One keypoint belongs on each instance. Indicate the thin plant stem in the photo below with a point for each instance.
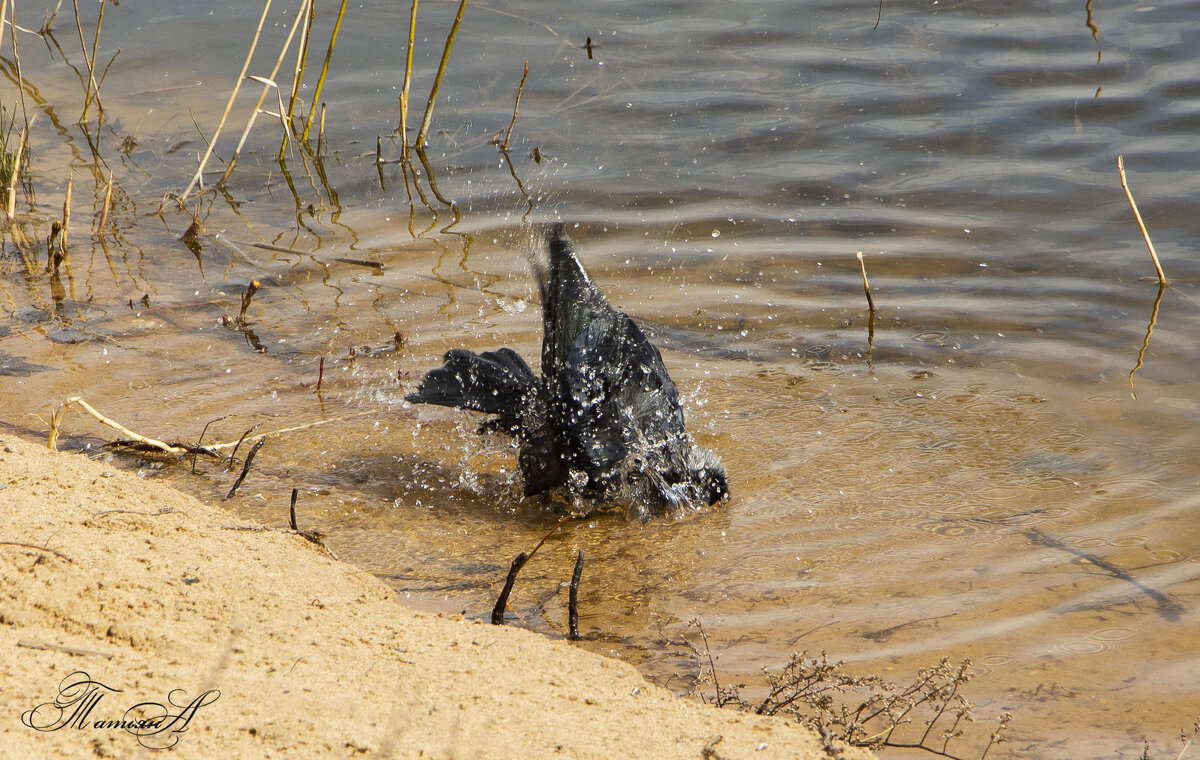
(324, 70)
(66, 214)
(92, 72)
(91, 87)
(107, 203)
(229, 105)
(48, 21)
(321, 132)
(302, 55)
(12, 28)
(437, 80)
(3, 20)
(267, 83)
(516, 105)
(866, 285)
(412, 33)
(11, 202)
(309, 7)
(1162, 278)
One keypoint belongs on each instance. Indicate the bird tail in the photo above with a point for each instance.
(571, 303)
(494, 382)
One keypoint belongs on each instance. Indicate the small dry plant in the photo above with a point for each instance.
(12, 143)
(863, 711)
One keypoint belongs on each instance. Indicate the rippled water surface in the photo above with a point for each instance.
(1000, 465)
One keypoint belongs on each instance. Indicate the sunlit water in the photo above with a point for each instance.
(1001, 466)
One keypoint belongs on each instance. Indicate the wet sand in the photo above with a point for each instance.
(261, 645)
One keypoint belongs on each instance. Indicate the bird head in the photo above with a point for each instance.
(691, 482)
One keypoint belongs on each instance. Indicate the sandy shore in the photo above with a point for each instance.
(257, 644)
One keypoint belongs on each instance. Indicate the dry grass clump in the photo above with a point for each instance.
(863, 711)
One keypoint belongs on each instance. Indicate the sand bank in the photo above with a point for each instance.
(260, 645)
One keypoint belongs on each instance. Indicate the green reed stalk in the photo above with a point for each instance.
(302, 55)
(412, 34)
(298, 74)
(437, 80)
(337, 25)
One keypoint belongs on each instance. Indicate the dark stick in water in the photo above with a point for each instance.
(245, 468)
(502, 601)
(573, 603)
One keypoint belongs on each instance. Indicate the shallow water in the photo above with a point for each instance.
(1001, 466)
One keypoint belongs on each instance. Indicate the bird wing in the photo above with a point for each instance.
(571, 304)
(617, 398)
(496, 382)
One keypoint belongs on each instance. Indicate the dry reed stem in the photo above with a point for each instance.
(3, 21)
(866, 285)
(66, 214)
(321, 132)
(267, 83)
(307, 9)
(12, 28)
(526, 19)
(284, 122)
(90, 61)
(337, 25)
(47, 20)
(1162, 278)
(76, 400)
(305, 426)
(11, 202)
(412, 33)
(92, 71)
(229, 105)
(301, 58)
(516, 105)
(104, 206)
(437, 80)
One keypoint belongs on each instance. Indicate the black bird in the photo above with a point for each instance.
(604, 418)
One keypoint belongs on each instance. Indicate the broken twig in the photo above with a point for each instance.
(866, 285)
(502, 601)
(245, 468)
(516, 105)
(1162, 278)
(58, 554)
(573, 599)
